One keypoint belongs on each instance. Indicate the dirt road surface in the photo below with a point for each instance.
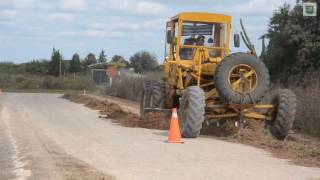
(43, 136)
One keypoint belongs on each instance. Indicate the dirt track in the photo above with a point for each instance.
(47, 137)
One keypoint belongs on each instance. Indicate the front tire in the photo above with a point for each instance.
(191, 112)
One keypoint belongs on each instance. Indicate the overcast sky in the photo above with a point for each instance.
(29, 29)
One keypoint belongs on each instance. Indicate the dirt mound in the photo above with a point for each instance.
(300, 149)
(226, 128)
(113, 111)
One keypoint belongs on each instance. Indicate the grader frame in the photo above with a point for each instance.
(201, 64)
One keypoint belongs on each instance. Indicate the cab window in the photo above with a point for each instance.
(207, 35)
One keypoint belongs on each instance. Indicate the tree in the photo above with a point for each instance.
(55, 68)
(143, 61)
(119, 61)
(75, 65)
(102, 57)
(90, 59)
(294, 43)
(39, 67)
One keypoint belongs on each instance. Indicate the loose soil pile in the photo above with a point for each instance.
(113, 111)
(299, 149)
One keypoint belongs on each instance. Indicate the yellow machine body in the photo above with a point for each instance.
(189, 63)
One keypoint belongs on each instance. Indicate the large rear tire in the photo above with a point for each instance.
(191, 112)
(156, 95)
(145, 98)
(228, 72)
(152, 96)
(284, 113)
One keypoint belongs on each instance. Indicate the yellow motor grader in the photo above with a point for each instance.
(209, 84)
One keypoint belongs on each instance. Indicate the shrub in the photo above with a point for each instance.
(29, 84)
(20, 79)
(308, 113)
(78, 84)
(51, 82)
(130, 87)
(5, 80)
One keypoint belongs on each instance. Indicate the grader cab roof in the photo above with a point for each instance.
(203, 17)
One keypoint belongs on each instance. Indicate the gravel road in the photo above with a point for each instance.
(43, 136)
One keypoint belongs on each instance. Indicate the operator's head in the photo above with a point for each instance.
(200, 40)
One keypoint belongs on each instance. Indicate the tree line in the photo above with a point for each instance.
(141, 62)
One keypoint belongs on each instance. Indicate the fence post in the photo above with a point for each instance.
(110, 82)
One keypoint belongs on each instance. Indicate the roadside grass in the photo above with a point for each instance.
(315, 152)
(308, 110)
(53, 91)
(35, 83)
(130, 87)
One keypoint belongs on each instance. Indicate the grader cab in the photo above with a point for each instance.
(209, 84)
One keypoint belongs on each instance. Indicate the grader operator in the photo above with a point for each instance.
(209, 84)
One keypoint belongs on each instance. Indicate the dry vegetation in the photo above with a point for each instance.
(130, 87)
(308, 110)
(119, 115)
(26, 82)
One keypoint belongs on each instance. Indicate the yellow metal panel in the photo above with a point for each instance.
(166, 70)
(256, 116)
(209, 68)
(215, 60)
(207, 84)
(203, 17)
(222, 115)
(263, 106)
(228, 38)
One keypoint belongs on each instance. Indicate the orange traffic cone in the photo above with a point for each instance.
(84, 92)
(174, 132)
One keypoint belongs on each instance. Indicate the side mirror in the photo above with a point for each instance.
(210, 40)
(169, 36)
(236, 40)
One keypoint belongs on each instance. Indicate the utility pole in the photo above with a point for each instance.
(60, 67)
